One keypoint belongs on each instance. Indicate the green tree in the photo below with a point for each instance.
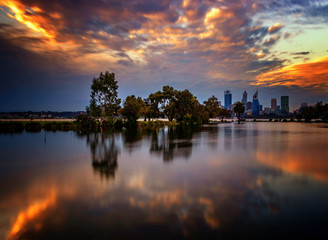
(131, 110)
(168, 93)
(224, 113)
(308, 113)
(184, 102)
(142, 108)
(170, 111)
(199, 113)
(239, 109)
(212, 107)
(188, 109)
(154, 101)
(104, 97)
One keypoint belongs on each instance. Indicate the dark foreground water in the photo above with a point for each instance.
(254, 180)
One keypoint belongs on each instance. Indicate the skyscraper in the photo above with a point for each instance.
(285, 104)
(227, 99)
(256, 104)
(249, 106)
(244, 100)
(273, 104)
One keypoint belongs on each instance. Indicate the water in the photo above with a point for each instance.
(254, 180)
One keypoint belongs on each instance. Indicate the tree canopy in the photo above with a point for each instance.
(132, 109)
(224, 113)
(104, 96)
(180, 105)
(311, 112)
(239, 109)
(212, 107)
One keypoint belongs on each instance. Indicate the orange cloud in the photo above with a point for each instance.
(312, 75)
(32, 20)
(275, 27)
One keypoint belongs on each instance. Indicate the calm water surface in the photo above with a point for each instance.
(254, 180)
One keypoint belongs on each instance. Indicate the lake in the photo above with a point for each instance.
(253, 180)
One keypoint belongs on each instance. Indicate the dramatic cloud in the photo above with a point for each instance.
(151, 42)
(312, 75)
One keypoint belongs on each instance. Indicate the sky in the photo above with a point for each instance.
(51, 50)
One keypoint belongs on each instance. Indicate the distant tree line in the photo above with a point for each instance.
(181, 106)
(319, 111)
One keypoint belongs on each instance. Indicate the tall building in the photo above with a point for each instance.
(227, 99)
(285, 104)
(273, 104)
(244, 100)
(256, 104)
(249, 106)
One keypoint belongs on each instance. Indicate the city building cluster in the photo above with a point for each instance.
(254, 108)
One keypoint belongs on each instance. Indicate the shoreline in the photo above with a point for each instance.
(166, 121)
(38, 120)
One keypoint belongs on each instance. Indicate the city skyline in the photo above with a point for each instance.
(51, 50)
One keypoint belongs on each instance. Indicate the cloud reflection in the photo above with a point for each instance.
(31, 213)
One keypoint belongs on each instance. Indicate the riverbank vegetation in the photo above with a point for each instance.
(36, 126)
(177, 106)
(83, 123)
(319, 111)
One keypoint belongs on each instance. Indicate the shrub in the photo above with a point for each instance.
(11, 127)
(33, 127)
(50, 126)
(118, 124)
(85, 122)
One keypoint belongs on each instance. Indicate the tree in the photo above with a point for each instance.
(168, 93)
(188, 109)
(104, 97)
(154, 101)
(199, 113)
(308, 113)
(142, 108)
(184, 103)
(224, 113)
(170, 111)
(131, 110)
(212, 106)
(239, 109)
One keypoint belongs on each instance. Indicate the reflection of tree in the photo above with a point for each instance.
(172, 142)
(104, 153)
(132, 138)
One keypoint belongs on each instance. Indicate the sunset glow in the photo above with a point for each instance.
(216, 45)
(306, 75)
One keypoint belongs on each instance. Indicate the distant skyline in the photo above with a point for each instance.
(51, 50)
